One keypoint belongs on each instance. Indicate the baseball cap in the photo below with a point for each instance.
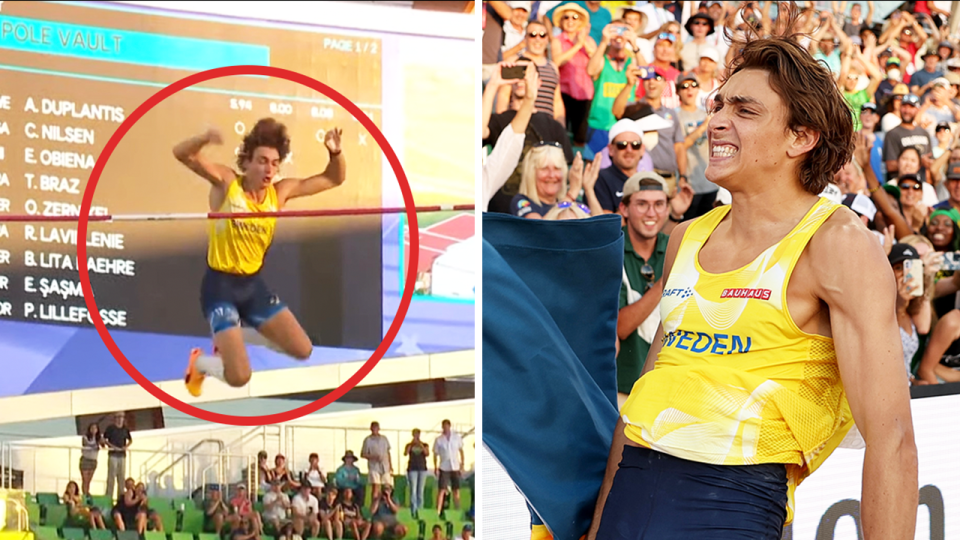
(911, 99)
(711, 53)
(520, 4)
(893, 61)
(909, 178)
(650, 72)
(953, 63)
(900, 90)
(946, 44)
(930, 52)
(952, 77)
(860, 204)
(902, 252)
(667, 36)
(625, 125)
(869, 106)
(942, 126)
(632, 185)
(953, 170)
(685, 78)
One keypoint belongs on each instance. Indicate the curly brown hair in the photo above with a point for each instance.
(269, 133)
(806, 87)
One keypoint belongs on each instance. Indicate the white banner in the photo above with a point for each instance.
(828, 502)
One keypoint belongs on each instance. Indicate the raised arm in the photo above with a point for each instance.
(331, 177)
(863, 144)
(870, 357)
(189, 153)
(620, 103)
(595, 65)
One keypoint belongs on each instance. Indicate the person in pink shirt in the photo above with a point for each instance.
(572, 50)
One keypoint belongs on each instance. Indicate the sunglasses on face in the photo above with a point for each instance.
(553, 144)
(686, 85)
(567, 204)
(573, 17)
(911, 185)
(700, 23)
(537, 34)
(622, 145)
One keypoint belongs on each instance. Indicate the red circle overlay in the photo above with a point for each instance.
(85, 276)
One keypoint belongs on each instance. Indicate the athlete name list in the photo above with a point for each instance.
(58, 144)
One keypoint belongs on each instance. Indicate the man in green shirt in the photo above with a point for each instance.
(645, 209)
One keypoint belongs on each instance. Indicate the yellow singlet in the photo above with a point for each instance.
(238, 246)
(736, 381)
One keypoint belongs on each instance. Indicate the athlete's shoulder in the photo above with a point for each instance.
(843, 242)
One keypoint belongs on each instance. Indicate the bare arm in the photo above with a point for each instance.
(877, 193)
(189, 153)
(620, 103)
(870, 357)
(631, 316)
(331, 177)
(595, 65)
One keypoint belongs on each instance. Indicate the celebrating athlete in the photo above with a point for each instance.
(772, 343)
(233, 292)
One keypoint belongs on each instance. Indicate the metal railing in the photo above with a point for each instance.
(184, 455)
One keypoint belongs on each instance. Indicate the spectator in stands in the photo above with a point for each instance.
(626, 148)
(352, 518)
(264, 471)
(664, 56)
(306, 511)
(944, 136)
(91, 443)
(645, 209)
(535, 52)
(693, 122)
(448, 464)
(243, 509)
(824, 43)
(126, 513)
(850, 76)
(287, 533)
(281, 473)
(911, 35)
(910, 162)
(904, 135)
(953, 189)
(330, 513)
(495, 13)
(540, 128)
(568, 210)
(246, 529)
(79, 513)
(855, 23)
(383, 514)
(543, 182)
(216, 512)
(152, 520)
(348, 476)
(891, 119)
(913, 312)
(608, 68)
(572, 50)
(699, 25)
(376, 450)
(417, 451)
(509, 145)
(514, 29)
(314, 477)
(466, 533)
(922, 80)
(275, 505)
(869, 120)
(117, 438)
(437, 533)
(707, 74)
(669, 156)
(911, 201)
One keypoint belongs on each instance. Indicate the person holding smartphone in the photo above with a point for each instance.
(914, 309)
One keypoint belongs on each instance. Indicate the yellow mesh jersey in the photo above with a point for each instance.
(736, 381)
(238, 246)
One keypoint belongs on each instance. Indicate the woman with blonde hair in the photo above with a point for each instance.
(543, 182)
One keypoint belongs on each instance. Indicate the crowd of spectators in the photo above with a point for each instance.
(594, 108)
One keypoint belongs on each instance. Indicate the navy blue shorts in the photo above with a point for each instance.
(658, 496)
(228, 299)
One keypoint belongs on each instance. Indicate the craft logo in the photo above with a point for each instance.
(760, 294)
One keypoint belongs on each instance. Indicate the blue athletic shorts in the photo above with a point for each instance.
(658, 496)
(229, 299)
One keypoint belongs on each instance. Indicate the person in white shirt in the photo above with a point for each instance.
(314, 476)
(514, 30)
(275, 505)
(306, 511)
(376, 450)
(448, 464)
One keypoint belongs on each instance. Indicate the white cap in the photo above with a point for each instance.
(711, 53)
(519, 4)
(625, 125)
(861, 204)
